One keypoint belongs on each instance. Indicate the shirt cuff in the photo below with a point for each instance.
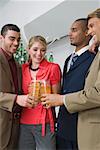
(64, 100)
(16, 98)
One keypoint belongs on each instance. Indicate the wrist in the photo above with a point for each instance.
(61, 101)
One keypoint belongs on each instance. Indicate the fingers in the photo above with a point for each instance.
(29, 105)
(32, 102)
(44, 97)
(92, 49)
(46, 105)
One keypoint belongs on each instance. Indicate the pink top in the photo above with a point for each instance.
(40, 115)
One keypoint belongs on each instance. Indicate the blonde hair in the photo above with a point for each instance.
(94, 14)
(37, 38)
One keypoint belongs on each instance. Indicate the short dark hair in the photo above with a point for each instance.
(7, 27)
(84, 23)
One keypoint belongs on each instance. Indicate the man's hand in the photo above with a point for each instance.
(24, 101)
(49, 100)
(34, 100)
(93, 44)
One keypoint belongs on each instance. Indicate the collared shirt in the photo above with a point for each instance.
(99, 48)
(13, 69)
(40, 115)
(80, 52)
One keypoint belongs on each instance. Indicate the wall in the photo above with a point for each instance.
(56, 23)
(21, 12)
(61, 50)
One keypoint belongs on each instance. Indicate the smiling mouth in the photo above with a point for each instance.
(38, 58)
(15, 48)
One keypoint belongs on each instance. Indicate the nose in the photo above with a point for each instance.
(89, 31)
(69, 33)
(39, 52)
(16, 42)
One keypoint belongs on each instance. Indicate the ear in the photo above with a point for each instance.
(0, 37)
(1, 40)
(86, 33)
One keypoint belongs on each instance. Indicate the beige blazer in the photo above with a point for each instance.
(7, 99)
(87, 103)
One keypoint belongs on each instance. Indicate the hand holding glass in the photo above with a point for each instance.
(37, 88)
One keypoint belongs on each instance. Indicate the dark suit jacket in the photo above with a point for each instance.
(7, 104)
(73, 81)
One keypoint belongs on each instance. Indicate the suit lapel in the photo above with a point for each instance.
(6, 67)
(94, 61)
(66, 64)
(19, 77)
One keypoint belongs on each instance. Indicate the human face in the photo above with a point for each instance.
(37, 52)
(10, 41)
(94, 27)
(77, 35)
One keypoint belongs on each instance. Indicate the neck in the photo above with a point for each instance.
(79, 47)
(34, 68)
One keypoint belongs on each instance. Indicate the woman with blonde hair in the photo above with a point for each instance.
(37, 123)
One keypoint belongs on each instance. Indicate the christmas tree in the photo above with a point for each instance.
(21, 54)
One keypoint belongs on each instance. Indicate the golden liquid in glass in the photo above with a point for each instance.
(37, 88)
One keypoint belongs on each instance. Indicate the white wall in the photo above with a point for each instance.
(21, 12)
(61, 50)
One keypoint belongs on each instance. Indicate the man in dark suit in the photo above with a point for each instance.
(74, 74)
(10, 87)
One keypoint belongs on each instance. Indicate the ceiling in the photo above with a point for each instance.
(3, 2)
(56, 22)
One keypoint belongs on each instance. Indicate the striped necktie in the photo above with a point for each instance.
(74, 58)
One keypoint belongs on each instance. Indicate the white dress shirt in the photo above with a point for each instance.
(99, 48)
(80, 52)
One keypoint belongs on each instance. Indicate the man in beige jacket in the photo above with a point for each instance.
(87, 101)
(10, 88)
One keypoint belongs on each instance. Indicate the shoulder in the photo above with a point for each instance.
(54, 65)
(2, 56)
(47, 64)
(25, 66)
(67, 59)
(19, 66)
(91, 55)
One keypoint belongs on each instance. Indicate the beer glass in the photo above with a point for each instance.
(37, 88)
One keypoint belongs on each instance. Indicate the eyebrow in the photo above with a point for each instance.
(13, 37)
